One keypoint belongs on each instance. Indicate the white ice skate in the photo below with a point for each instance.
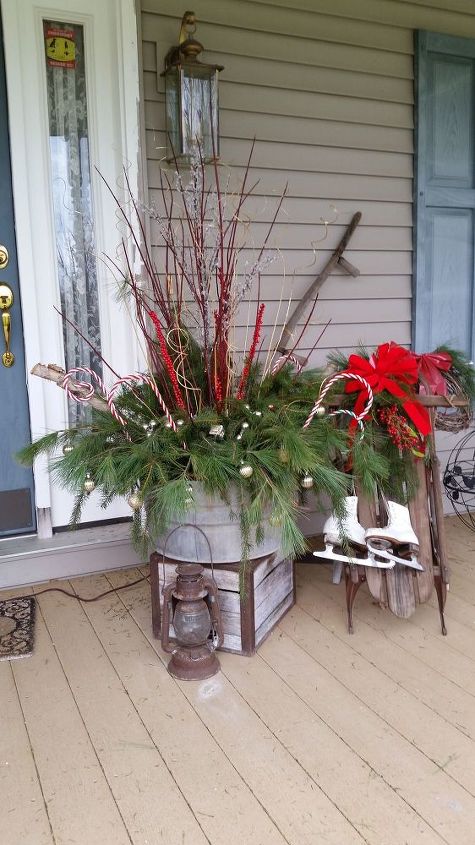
(348, 531)
(399, 534)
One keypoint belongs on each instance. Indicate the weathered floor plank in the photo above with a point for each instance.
(320, 738)
(300, 810)
(148, 798)
(220, 799)
(342, 655)
(412, 673)
(383, 817)
(26, 820)
(80, 805)
(412, 775)
(429, 647)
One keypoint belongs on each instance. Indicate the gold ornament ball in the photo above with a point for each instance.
(246, 471)
(307, 482)
(283, 456)
(180, 422)
(89, 484)
(168, 425)
(134, 501)
(245, 425)
(67, 449)
(321, 411)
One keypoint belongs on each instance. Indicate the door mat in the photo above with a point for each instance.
(17, 628)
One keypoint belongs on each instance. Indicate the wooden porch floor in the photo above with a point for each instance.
(319, 738)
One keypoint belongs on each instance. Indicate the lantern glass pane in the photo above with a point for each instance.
(173, 114)
(199, 100)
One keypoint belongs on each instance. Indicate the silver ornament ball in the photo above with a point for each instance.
(321, 411)
(89, 484)
(67, 449)
(134, 501)
(307, 482)
(245, 425)
(246, 471)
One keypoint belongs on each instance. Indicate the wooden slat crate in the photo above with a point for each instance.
(269, 591)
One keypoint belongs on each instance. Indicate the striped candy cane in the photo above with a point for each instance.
(68, 385)
(283, 360)
(328, 384)
(134, 378)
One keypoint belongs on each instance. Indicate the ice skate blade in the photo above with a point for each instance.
(330, 554)
(388, 554)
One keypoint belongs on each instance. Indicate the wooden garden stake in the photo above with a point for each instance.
(335, 259)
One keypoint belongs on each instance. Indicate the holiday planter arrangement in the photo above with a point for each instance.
(218, 433)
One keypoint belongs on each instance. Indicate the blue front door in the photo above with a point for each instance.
(17, 512)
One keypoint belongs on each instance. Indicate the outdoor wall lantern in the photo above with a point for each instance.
(191, 98)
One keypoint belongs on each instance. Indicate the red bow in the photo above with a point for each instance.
(388, 368)
(431, 366)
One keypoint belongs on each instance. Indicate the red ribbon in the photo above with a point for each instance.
(389, 367)
(431, 368)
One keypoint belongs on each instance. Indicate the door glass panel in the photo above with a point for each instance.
(72, 198)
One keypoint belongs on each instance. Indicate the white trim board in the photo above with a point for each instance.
(28, 560)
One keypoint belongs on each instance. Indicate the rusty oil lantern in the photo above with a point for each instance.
(190, 604)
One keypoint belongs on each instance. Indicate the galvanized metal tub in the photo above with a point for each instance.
(213, 516)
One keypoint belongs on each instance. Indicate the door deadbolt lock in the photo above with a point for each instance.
(3, 257)
(6, 302)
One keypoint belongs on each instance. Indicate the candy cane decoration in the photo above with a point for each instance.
(283, 360)
(325, 387)
(136, 379)
(86, 396)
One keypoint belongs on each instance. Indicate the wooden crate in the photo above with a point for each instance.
(268, 593)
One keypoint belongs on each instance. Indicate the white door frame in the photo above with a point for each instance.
(110, 29)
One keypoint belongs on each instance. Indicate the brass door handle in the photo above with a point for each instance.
(6, 302)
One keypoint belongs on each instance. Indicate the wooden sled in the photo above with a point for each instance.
(401, 589)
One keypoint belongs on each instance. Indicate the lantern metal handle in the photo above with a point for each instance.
(178, 528)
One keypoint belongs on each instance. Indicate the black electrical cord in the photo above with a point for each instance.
(82, 598)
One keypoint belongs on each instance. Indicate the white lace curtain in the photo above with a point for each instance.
(73, 208)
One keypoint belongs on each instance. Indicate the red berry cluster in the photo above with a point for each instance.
(400, 432)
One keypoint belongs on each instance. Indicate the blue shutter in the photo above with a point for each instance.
(444, 193)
